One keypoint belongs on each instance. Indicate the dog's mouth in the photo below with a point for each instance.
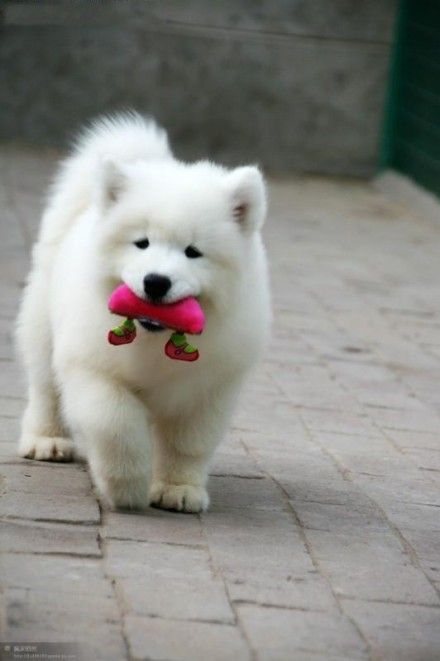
(151, 325)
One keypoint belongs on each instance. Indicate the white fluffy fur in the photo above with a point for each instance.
(147, 425)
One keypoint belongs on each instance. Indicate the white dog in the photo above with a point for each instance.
(123, 209)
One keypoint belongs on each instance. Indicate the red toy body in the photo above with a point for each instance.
(185, 316)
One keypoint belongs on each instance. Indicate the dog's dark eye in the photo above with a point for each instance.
(142, 243)
(192, 252)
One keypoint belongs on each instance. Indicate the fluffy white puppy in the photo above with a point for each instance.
(123, 209)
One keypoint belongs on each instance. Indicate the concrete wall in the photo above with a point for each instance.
(292, 84)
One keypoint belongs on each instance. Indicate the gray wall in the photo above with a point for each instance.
(292, 84)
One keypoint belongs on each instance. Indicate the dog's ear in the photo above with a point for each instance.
(248, 197)
(112, 181)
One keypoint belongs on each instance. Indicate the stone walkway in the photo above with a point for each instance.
(323, 539)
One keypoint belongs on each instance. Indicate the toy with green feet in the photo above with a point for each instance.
(185, 316)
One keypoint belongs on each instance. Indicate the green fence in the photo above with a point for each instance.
(411, 141)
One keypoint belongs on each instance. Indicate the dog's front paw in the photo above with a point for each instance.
(46, 448)
(179, 497)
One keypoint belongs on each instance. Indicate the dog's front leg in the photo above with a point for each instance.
(183, 449)
(112, 429)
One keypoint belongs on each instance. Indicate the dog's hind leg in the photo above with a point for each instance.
(42, 434)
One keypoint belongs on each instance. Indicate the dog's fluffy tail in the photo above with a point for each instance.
(124, 138)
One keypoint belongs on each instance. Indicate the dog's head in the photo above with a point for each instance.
(171, 230)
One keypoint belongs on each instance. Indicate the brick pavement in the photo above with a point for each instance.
(323, 539)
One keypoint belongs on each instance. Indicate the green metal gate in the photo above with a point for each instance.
(411, 141)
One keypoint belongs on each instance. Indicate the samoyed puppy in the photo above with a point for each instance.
(123, 210)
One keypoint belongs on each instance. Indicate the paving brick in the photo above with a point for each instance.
(9, 429)
(8, 454)
(312, 386)
(419, 516)
(166, 579)
(332, 489)
(27, 536)
(49, 479)
(62, 574)
(360, 454)
(280, 633)
(233, 492)
(264, 560)
(184, 597)
(426, 459)
(422, 420)
(371, 565)
(426, 546)
(153, 526)
(7, 449)
(306, 591)
(403, 355)
(295, 439)
(341, 518)
(25, 607)
(154, 638)
(11, 407)
(226, 464)
(273, 418)
(398, 632)
(133, 559)
(408, 486)
(245, 541)
(345, 421)
(11, 380)
(44, 616)
(42, 507)
(356, 446)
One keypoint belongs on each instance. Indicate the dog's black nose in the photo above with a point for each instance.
(156, 286)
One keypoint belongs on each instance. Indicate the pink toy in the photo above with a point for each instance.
(185, 316)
